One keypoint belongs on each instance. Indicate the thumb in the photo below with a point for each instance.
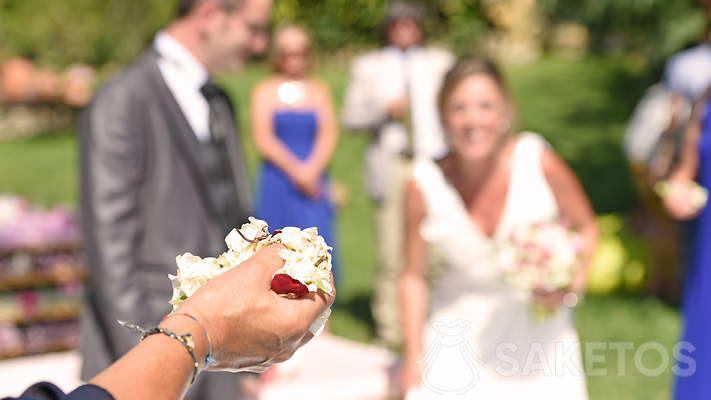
(267, 262)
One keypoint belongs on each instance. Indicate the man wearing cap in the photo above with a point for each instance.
(392, 95)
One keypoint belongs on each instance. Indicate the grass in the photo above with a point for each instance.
(606, 322)
(580, 106)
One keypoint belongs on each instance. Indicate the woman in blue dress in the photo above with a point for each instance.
(295, 131)
(692, 377)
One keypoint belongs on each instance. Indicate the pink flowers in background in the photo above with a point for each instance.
(541, 256)
(41, 275)
(23, 226)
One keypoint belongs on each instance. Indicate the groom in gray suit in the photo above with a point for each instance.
(162, 173)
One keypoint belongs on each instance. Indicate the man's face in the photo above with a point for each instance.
(235, 36)
(404, 33)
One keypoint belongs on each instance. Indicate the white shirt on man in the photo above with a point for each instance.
(185, 75)
(689, 72)
(382, 76)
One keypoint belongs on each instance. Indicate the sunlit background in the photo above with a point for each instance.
(577, 69)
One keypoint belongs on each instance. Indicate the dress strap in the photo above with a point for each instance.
(531, 197)
(445, 214)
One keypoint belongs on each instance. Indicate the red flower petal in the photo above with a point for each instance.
(283, 284)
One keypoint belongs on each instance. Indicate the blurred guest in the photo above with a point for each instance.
(467, 204)
(295, 130)
(689, 72)
(653, 142)
(162, 173)
(392, 94)
(695, 169)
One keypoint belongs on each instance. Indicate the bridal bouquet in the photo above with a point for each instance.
(307, 263)
(693, 192)
(542, 256)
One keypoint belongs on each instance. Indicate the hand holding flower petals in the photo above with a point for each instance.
(307, 262)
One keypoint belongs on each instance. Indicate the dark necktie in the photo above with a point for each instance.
(220, 119)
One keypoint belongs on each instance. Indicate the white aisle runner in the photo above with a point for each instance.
(332, 368)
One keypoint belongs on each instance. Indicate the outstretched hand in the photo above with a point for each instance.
(250, 326)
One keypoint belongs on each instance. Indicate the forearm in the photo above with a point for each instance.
(274, 151)
(161, 364)
(687, 169)
(363, 118)
(361, 110)
(413, 305)
(589, 235)
(688, 165)
(323, 151)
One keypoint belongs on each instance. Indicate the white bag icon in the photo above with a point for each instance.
(449, 366)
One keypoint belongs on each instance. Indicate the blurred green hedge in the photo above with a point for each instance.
(60, 32)
(655, 28)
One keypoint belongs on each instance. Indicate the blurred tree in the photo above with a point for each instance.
(655, 28)
(92, 31)
(354, 23)
(106, 31)
(114, 31)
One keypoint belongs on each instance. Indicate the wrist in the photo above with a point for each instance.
(579, 284)
(309, 167)
(295, 172)
(182, 326)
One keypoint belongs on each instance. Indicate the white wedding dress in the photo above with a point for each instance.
(481, 339)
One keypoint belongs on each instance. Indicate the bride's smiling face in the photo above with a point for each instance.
(476, 116)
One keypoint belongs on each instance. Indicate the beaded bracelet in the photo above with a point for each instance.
(186, 340)
(209, 357)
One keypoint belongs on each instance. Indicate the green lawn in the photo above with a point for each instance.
(580, 106)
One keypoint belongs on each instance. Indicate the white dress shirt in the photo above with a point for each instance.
(689, 72)
(184, 76)
(387, 74)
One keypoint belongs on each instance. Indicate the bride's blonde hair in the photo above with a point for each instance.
(463, 69)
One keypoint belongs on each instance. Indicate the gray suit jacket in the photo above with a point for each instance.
(143, 201)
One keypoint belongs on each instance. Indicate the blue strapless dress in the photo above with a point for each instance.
(697, 291)
(279, 202)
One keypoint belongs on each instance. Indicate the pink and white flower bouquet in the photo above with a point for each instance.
(543, 256)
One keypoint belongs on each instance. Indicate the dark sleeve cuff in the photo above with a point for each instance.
(48, 391)
(90, 392)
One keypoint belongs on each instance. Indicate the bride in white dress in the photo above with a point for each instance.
(472, 336)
